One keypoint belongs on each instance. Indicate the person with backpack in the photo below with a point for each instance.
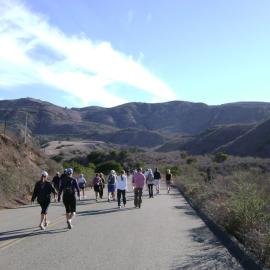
(122, 187)
(138, 181)
(112, 185)
(97, 184)
(157, 177)
(69, 187)
(150, 182)
(42, 191)
(82, 185)
(168, 180)
(56, 183)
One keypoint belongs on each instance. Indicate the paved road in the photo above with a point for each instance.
(164, 234)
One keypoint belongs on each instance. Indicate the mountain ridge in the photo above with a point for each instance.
(142, 124)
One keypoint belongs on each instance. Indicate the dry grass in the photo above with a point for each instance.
(236, 197)
(20, 168)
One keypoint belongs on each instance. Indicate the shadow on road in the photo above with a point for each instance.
(27, 232)
(210, 253)
(103, 211)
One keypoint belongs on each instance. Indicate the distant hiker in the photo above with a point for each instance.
(82, 185)
(150, 182)
(101, 175)
(69, 187)
(42, 191)
(122, 187)
(168, 180)
(56, 183)
(97, 184)
(138, 181)
(112, 185)
(157, 178)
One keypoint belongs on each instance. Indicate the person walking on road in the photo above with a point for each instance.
(122, 187)
(150, 182)
(42, 191)
(82, 185)
(157, 178)
(112, 185)
(101, 190)
(56, 183)
(97, 184)
(138, 181)
(69, 187)
(168, 180)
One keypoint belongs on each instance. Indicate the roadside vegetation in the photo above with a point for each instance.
(234, 193)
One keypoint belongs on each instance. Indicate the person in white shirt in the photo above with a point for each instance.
(122, 187)
(82, 184)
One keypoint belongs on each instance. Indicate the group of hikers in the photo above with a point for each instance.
(66, 186)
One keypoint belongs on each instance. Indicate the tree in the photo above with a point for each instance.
(107, 166)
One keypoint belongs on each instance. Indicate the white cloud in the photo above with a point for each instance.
(33, 51)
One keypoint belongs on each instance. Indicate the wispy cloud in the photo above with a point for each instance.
(33, 51)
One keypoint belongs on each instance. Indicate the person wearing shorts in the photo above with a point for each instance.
(112, 185)
(168, 180)
(82, 185)
(97, 184)
(69, 187)
(42, 191)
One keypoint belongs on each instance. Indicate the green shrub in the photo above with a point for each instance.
(220, 157)
(109, 165)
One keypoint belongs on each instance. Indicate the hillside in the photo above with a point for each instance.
(208, 141)
(255, 142)
(20, 167)
(194, 127)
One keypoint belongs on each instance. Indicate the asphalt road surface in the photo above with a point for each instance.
(164, 234)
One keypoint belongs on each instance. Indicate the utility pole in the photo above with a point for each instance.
(25, 128)
(5, 126)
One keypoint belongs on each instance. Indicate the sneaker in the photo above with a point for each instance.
(69, 224)
(41, 226)
(46, 223)
(119, 206)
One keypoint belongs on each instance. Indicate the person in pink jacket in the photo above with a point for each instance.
(138, 182)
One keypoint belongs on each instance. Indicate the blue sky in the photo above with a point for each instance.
(88, 52)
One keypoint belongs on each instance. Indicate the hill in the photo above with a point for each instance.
(177, 125)
(255, 142)
(20, 167)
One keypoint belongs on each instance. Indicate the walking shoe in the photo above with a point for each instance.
(46, 223)
(69, 224)
(41, 226)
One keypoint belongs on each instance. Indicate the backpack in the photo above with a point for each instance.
(111, 180)
(150, 178)
(68, 189)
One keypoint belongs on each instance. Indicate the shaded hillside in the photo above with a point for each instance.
(20, 167)
(208, 141)
(137, 124)
(177, 116)
(256, 142)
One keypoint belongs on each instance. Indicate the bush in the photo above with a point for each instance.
(220, 157)
(107, 166)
